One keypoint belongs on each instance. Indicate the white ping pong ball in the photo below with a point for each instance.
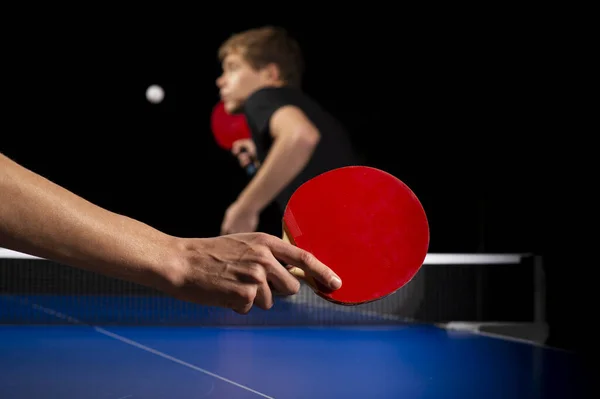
(155, 94)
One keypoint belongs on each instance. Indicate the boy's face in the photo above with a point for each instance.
(239, 80)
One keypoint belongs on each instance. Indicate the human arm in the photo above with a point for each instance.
(40, 217)
(44, 219)
(295, 138)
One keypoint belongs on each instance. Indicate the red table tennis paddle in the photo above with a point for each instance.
(228, 128)
(365, 224)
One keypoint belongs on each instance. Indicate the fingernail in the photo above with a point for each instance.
(335, 283)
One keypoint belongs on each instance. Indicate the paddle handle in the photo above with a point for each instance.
(251, 168)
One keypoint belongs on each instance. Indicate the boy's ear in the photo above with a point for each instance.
(272, 72)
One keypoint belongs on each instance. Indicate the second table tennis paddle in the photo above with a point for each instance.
(365, 224)
(228, 128)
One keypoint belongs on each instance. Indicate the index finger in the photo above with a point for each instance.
(241, 145)
(305, 265)
(236, 146)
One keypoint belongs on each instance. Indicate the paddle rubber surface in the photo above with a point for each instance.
(366, 225)
(228, 128)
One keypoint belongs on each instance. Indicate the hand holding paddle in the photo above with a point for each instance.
(229, 128)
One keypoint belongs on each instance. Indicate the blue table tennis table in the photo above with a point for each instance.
(103, 346)
(385, 361)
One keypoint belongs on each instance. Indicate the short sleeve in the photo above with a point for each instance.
(261, 106)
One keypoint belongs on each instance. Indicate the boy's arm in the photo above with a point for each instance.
(295, 138)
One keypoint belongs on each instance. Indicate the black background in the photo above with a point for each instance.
(457, 110)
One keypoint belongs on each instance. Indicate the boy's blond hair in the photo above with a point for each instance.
(268, 45)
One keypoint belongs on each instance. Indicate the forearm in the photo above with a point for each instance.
(287, 158)
(46, 220)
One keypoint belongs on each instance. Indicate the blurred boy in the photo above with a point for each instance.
(293, 138)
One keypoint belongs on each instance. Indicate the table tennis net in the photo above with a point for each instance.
(448, 287)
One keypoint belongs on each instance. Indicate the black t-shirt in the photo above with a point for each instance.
(334, 150)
